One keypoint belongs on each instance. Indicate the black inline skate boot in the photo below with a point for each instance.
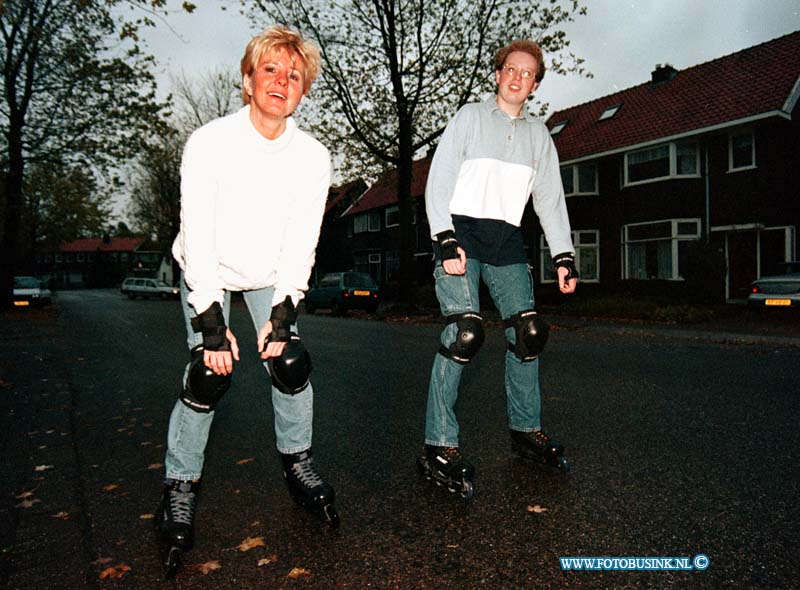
(175, 522)
(538, 446)
(307, 488)
(446, 467)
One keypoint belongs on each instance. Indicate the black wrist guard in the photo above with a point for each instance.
(282, 318)
(566, 260)
(212, 324)
(448, 245)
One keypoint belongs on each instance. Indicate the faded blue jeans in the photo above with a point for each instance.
(511, 289)
(188, 429)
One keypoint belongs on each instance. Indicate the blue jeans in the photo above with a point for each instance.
(188, 429)
(511, 289)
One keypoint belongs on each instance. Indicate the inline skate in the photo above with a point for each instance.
(447, 468)
(538, 446)
(307, 488)
(175, 522)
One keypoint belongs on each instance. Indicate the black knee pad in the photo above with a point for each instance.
(531, 332)
(291, 371)
(468, 340)
(203, 388)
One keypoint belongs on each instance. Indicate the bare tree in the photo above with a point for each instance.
(155, 180)
(395, 71)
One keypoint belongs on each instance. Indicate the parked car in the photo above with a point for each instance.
(341, 291)
(29, 291)
(777, 290)
(135, 287)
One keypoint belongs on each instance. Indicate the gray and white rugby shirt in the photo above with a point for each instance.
(483, 172)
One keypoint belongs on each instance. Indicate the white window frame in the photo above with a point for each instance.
(674, 238)
(673, 164)
(546, 258)
(391, 209)
(576, 180)
(558, 127)
(610, 111)
(752, 163)
(369, 221)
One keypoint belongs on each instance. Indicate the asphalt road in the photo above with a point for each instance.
(680, 445)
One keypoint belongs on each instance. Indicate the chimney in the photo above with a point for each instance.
(106, 238)
(663, 73)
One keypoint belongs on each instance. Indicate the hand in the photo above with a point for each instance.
(268, 349)
(221, 361)
(566, 286)
(456, 266)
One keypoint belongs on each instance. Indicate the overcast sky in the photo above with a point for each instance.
(621, 40)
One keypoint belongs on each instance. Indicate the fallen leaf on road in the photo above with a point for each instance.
(243, 461)
(267, 560)
(250, 543)
(208, 566)
(115, 572)
(110, 487)
(102, 561)
(43, 467)
(61, 515)
(28, 503)
(26, 494)
(147, 516)
(452, 546)
(145, 443)
(537, 509)
(155, 466)
(297, 572)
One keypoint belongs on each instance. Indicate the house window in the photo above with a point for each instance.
(671, 160)
(369, 221)
(80, 257)
(123, 256)
(741, 151)
(368, 262)
(90, 257)
(579, 179)
(392, 216)
(587, 257)
(657, 250)
(609, 112)
(558, 127)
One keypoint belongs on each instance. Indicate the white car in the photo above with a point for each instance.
(29, 291)
(135, 287)
(777, 290)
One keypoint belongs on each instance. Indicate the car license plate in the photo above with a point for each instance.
(777, 302)
(21, 303)
(361, 293)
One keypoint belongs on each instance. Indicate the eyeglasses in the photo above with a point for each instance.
(512, 71)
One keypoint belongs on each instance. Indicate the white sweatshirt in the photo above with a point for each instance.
(251, 209)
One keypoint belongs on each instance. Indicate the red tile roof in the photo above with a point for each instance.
(384, 191)
(758, 80)
(98, 245)
(338, 193)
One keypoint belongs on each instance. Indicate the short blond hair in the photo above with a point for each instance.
(278, 38)
(525, 45)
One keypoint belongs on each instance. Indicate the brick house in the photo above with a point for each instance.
(712, 150)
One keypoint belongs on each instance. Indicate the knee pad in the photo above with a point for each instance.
(290, 372)
(531, 334)
(203, 388)
(468, 340)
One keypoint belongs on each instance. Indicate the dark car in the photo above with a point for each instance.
(777, 290)
(30, 291)
(341, 291)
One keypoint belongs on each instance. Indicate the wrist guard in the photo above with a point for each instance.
(212, 325)
(282, 318)
(448, 245)
(566, 260)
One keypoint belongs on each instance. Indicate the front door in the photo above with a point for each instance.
(742, 263)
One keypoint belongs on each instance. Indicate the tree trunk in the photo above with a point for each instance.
(12, 218)
(404, 197)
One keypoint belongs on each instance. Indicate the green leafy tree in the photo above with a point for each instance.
(395, 71)
(76, 90)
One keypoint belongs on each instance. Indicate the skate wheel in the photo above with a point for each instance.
(468, 490)
(172, 563)
(422, 468)
(331, 516)
(563, 464)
